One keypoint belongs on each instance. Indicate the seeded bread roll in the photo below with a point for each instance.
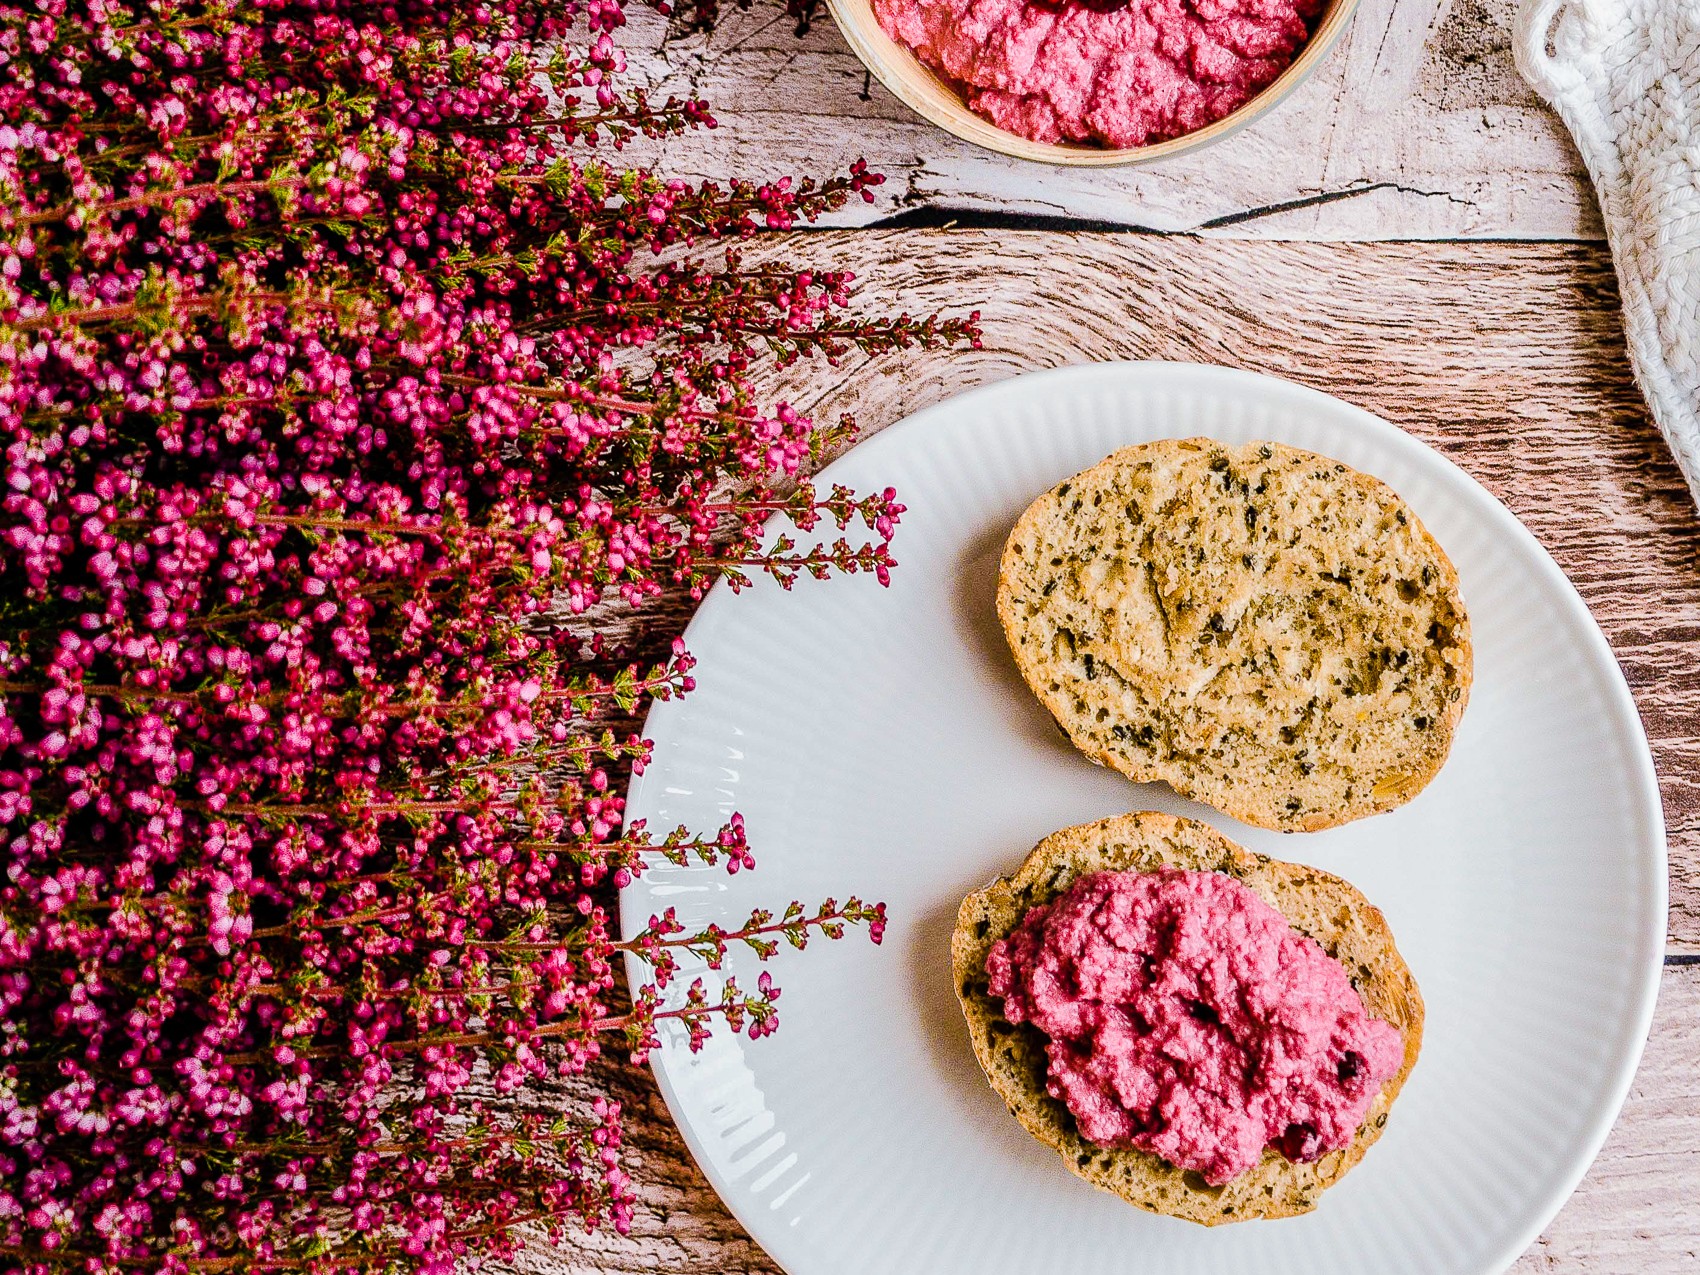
(1013, 1056)
(1266, 630)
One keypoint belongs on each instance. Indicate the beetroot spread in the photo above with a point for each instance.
(1188, 1019)
(1124, 74)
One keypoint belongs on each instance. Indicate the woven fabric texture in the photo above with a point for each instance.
(1625, 77)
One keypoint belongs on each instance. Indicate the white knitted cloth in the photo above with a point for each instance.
(1625, 77)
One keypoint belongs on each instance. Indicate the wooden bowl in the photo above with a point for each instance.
(935, 99)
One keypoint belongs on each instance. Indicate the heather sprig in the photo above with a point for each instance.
(339, 372)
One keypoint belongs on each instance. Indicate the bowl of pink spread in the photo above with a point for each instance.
(1091, 82)
(1184, 1016)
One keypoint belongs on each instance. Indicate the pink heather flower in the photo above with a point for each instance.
(312, 421)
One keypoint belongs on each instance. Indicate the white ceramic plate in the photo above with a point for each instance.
(881, 742)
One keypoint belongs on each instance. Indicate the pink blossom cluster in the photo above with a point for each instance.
(337, 375)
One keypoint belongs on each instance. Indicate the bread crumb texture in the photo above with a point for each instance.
(1322, 906)
(1267, 630)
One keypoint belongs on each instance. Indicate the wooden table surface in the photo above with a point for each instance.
(1410, 232)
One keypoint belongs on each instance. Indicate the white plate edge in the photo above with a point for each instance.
(1607, 1112)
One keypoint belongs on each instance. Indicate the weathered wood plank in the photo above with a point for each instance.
(1638, 1209)
(1416, 127)
(1507, 357)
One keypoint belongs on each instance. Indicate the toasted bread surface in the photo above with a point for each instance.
(1266, 630)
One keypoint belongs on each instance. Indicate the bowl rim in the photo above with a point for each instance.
(898, 69)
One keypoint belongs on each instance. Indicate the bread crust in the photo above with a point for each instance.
(1266, 630)
(1326, 908)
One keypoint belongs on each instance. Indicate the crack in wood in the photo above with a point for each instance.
(944, 217)
(1324, 197)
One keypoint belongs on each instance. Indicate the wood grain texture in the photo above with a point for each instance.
(1416, 127)
(1636, 1213)
(1508, 358)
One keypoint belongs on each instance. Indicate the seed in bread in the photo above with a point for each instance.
(1014, 1058)
(1268, 631)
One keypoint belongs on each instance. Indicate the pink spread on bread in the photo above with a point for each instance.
(1187, 1018)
